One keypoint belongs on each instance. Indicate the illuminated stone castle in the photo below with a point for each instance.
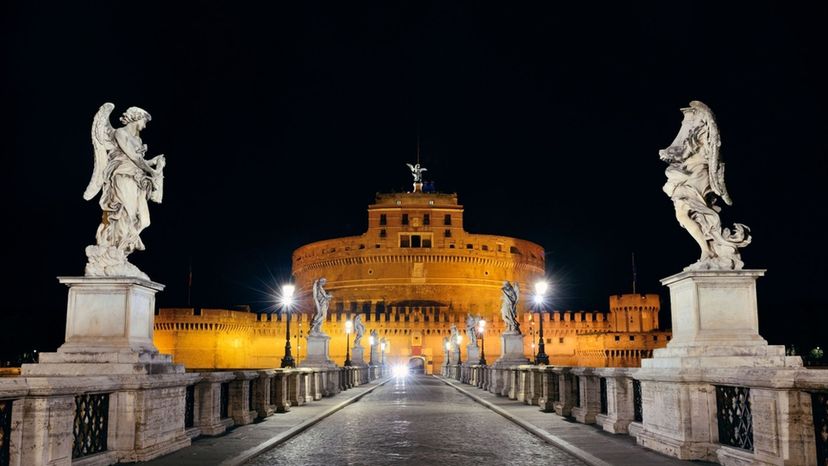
(413, 274)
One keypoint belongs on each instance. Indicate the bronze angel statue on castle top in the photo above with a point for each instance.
(695, 180)
(126, 181)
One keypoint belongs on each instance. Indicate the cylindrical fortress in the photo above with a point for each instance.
(416, 260)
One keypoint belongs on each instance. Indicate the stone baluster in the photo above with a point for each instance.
(566, 391)
(590, 398)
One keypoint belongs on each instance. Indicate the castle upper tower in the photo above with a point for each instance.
(416, 255)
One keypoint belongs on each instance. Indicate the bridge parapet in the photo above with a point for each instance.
(753, 415)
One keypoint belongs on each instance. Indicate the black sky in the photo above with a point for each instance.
(280, 123)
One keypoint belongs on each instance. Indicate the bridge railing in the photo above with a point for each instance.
(755, 415)
(95, 419)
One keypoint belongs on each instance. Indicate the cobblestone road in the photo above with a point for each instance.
(416, 420)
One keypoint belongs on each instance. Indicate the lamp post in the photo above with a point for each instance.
(287, 300)
(540, 290)
(481, 326)
(459, 339)
(348, 325)
(382, 352)
(371, 343)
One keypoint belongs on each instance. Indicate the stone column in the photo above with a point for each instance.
(567, 391)
(550, 393)
(279, 390)
(620, 403)
(47, 433)
(590, 401)
(208, 397)
(240, 402)
(294, 391)
(261, 394)
(522, 375)
(534, 390)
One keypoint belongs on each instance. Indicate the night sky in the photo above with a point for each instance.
(280, 125)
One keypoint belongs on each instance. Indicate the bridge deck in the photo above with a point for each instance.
(418, 420)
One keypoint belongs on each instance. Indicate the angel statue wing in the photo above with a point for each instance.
(715, 165)
(103, 142)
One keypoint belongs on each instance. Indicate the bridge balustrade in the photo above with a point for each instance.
(793, 419)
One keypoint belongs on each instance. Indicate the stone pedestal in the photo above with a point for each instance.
(472, 355)
(511, 350)
(357, 357)
(715, 339)
(375, 355)
(318, 352)
(109, 329)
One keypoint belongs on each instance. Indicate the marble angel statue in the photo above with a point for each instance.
(471, 329)
(126, 181)
(359, 330)
(374, 337)
(695, 181)
(417, 172)
(453, 332)
(508, 309)
(321, 300)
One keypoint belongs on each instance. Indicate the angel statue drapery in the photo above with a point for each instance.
(126, 181)
(321, 300)
(695, 180)
(508, 308)
(359, 330)
(471, 329)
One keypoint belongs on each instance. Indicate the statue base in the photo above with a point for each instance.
(716, 324)
(716, 341)
(472, 355)
(318, 352)
(511, 350)
(358, 357)
(375, 354)
(109, 329)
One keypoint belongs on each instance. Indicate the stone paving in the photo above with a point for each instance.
(417, 420)
(244, 442)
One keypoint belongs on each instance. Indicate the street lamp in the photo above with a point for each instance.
(382, 352)
(459, 339)
(371, 342)
(287, 300)
(348, 325)
(540, 290)
(481, 325)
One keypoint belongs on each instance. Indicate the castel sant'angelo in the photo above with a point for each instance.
(413, 274)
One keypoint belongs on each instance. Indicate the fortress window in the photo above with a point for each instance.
(618, 338)
(484, 247)
(383, 219)
(447, 233)
(426, 219)
(560, 340)
(469, 246)
(382, 233)
(499, 247)
(514, 250)
(632, 338)
(655, 337)
(447, 219)
(405, 219)
(415, 241)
